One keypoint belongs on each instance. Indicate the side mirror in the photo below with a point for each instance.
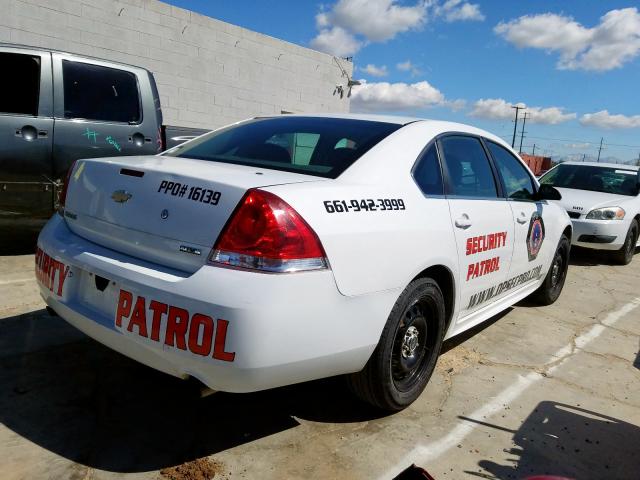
(547, 192)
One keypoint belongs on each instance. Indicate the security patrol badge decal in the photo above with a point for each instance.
(535, 237)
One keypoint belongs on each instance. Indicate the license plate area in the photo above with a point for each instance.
(98, 293)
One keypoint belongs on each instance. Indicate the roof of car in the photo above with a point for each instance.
(621, 166)
(18, 46)
(397, 119)
(440, 126)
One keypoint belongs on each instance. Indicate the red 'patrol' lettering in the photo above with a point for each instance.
(198, 333)
(484, 267)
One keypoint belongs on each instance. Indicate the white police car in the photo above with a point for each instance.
(603, 202)
(280, 250)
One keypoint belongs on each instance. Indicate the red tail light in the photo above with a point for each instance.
(265, 233)
(62, 197)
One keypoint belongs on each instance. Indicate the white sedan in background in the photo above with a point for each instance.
(285, 249)
(603, 202)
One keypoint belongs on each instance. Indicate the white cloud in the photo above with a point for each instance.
(357, 22)
(499, 109)
(404, 66)
(408, 67)
(603, 119)
(608, 45)
(390, 97)
(456, 105)
(458, 10)
(375, 71)
(377, 20)
(336, 41)
(549, 115)
(578, 146)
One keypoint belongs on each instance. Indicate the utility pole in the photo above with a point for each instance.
(524, 122)
(600, 149)
(534, 150)
(515, 125)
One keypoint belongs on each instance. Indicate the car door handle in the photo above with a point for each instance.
(463, 221)
(522, 218)
(27, 132)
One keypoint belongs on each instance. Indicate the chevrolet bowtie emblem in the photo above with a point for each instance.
(121, 196)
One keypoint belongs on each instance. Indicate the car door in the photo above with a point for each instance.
(531, 248)
(26, 127)
(481, 218)
(101, 110)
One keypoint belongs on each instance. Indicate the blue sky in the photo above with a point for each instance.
(577, 61)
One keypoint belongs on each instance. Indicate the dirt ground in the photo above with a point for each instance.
(534, 390)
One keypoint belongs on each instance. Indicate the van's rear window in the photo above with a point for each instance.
(319, 146)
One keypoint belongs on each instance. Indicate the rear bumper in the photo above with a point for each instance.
(236, 331)
(599, 234)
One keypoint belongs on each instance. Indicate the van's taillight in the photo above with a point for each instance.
(62, 197)
(265, 233)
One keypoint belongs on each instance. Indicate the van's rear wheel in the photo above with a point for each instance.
(402, 363)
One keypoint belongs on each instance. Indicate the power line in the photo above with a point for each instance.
(580, 141)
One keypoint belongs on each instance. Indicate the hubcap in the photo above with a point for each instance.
(411, 348)
(410, 342)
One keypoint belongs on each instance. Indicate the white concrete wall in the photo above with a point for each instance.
(209, 72)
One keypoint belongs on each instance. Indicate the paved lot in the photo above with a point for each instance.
(537, 390)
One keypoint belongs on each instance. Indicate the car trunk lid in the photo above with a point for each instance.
(164, 210)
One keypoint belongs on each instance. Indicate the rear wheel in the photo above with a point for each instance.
(402, 363)
(628, 250)
(552, 285)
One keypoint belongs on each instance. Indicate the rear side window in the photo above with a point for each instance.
(516, 179)
(324, 147)
(470, 174)
(427, 173)
(100, 93)
(20, 84)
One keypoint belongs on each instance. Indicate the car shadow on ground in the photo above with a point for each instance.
(586, 257)
(95, 407)
(567, 441)
(89, 404)
(636, 363)
(18, 241)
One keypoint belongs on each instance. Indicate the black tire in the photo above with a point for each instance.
(551, 288)
(402, 363)
(628, 250)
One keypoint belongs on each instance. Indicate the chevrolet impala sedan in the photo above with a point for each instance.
(285, 249)
(603, 202)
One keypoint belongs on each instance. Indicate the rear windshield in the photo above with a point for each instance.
(618, 181)
(324, 147)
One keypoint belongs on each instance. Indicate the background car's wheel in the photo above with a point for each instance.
(552, 285)
(406, 355)
(628, 250)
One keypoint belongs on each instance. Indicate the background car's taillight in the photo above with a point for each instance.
(62, 197)
(265, 233)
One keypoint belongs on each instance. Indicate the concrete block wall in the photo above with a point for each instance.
(209, 72)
